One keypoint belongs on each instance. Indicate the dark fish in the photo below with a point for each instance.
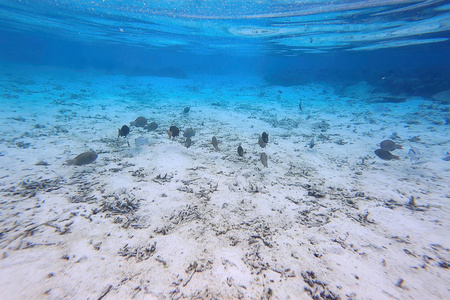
(265, 137)
(83, 159)
(139, 122)
(389, 145)
(189, 133)
(261, 142)
(215, 143)
(240, 151)
(124, 131)
(186, 109)
(311, 143)
(151, 127)
(263, 159)
(386, 155)
(175, 131)
(300, 106)
(187, 142)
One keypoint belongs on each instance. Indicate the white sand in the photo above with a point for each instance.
(163, 221)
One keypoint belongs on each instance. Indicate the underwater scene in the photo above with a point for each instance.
(224, 149)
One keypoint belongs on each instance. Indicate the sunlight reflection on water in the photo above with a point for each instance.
(284, 27)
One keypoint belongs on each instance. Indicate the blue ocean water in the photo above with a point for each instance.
(329, 179)
(310, 40)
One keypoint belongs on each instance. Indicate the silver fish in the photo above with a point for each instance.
(414, 155)
(141, 141)
(311, 143)
(263, 159)
(215, 143)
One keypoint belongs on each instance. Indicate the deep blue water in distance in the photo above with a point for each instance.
(286, 42)
(318, 209)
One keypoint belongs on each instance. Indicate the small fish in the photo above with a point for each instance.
(215, 143)
(385, 155)
(151, 127)
(139, 122)
(42, 163)
(389, 145)
(240, 151)
(186, 109)
(189, 132)
(169, 133)
(141, 141)
(124, 131)
(83, 159)
(265, 137)
(300, 106)
(311, 143)
(263, 159)
(414, 155)
(175, 131)
(187, 142)
(447, 157)
(261, 142)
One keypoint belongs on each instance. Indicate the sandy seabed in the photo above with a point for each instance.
(162, 221)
